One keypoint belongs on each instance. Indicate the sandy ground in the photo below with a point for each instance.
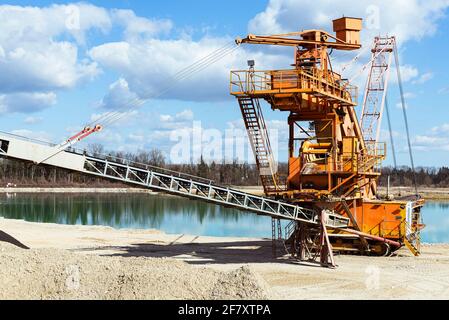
(126, 263)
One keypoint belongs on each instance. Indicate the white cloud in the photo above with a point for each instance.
(43, 66)
(417, 19)
(424, 78)
(136, 137)
(140, 27)
(39, 52)
(443, 90)
(444, 128)
(173, 122)
(38, 135)
(406, 19)
(148, 66)
(408, 73)
(436, 139)
(120, 97)
(32, 120)
(24, 102)
(28, 24)
(409, 95)
(399, 105)
(115, 118)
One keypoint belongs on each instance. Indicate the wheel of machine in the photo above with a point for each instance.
(386, 249)
(381, 249)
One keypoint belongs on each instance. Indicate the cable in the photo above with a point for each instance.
(168, 79)
(343, 68)
(366, 65)
(181, 75)
(197, 69)
(391, 134)
(404, 112)
(174, 83)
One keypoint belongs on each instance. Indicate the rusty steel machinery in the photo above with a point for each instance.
(334, 160)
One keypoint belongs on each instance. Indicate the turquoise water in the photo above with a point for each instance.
(139, 211)
(436, 219)
(168, 213)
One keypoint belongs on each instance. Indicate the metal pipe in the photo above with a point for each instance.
(372, 237)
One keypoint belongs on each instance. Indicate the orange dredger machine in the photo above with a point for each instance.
(333, 164)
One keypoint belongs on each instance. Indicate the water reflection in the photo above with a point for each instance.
(437, 222)
(143, 211)
(170, 214)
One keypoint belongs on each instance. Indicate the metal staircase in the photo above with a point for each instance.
(260, 144)
(412, 240)
(24, 149)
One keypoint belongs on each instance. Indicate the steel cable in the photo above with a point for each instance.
(180, 75)
(199, 68)
(404, 112)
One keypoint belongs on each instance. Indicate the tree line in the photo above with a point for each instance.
(236, 173)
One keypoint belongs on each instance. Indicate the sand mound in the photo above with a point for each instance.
(241, 284)
(61, 274)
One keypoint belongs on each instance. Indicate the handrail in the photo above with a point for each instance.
(269, 80)
(108, 157)
(42, 142)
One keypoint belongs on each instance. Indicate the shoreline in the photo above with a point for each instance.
(427, 193)
(75, 190)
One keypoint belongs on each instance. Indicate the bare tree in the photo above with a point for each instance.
(157, 158)
(95, 149)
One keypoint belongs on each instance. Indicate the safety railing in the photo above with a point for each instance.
(347, 162)
(376, 148)
(107, 157)
(41, 142)
(384, 229)
(199, 190)
(253, 82)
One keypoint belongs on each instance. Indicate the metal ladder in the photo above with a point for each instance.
(260, 143)
(412, 240)
(376, 87)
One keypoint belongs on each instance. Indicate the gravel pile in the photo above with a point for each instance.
(61, 274)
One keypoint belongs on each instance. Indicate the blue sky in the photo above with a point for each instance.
(54, 77)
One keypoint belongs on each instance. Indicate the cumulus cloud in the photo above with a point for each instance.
(39, 52)
(149, 66)
(38, 135)
(424, 78)
(435, 140)
(119, 96)
(24, 102)
(135, 26)
(32, 120)
(186, 115)
(31, 24)
(443, 90)
(417, 18)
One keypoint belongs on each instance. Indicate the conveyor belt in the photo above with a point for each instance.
(24, 149)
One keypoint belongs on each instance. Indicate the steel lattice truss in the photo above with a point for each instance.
(16, 147)
(376, 87)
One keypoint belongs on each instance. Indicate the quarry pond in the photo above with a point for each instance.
(170, 214)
